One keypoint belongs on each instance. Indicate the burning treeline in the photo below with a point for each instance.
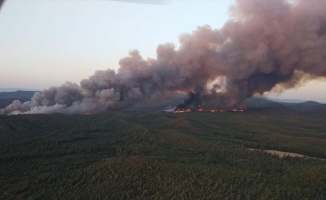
(182, 110)
(265, 44)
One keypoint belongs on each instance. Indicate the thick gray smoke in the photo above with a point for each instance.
(265, 44)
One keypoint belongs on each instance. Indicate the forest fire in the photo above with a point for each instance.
(87, 113)
(240, 109)
(252, 53)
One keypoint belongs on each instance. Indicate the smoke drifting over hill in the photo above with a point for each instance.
(264, 44)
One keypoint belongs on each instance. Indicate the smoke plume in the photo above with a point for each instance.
(264, 44)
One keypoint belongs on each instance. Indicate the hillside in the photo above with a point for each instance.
(7, 98)
(129, 155)
(307, 106)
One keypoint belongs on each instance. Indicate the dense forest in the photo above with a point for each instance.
(160, 155)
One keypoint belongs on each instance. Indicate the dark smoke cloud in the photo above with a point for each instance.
(265, 44)
(1, 2)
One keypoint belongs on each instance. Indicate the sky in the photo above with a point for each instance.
(44, 43)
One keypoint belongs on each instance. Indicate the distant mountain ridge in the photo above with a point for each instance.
(305, 106)
(7, 98)
(14, 89)
(19, 94)
(287, 100)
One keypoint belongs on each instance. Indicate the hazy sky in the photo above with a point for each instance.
(48, 42)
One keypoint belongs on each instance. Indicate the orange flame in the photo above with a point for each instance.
(182, 111)
(240, 109)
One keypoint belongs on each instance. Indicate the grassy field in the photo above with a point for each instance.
(126, 155)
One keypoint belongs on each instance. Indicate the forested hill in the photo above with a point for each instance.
(306, 106)
(160, 155)
(7, 98)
